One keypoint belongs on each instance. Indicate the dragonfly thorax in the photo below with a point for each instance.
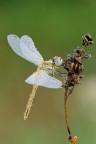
(48, 67)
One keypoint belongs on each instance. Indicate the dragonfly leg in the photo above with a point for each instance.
(60, 73)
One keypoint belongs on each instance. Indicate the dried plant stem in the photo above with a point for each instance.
(67, 93)
(66, 113)
(30, 101)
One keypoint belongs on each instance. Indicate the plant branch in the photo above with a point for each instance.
(66, 95)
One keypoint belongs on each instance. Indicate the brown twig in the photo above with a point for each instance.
(66, 95)
(74, 66)
(66, 113)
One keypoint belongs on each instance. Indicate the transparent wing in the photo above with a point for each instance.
(29, 50)
(30, 44)
(26, 53)
(14, 43)
(41, 78)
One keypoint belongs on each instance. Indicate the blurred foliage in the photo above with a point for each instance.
(56, 28)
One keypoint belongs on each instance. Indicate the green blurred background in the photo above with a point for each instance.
(56, 28)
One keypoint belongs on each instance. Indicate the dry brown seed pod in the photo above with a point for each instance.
(87, 39)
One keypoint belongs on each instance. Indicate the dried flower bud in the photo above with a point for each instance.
(88, 56)
(87, 39)
(74, 63)
(79, 51)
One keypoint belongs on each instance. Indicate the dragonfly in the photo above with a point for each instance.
(44, 75)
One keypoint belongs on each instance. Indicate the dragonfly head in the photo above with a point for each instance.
(58, 61)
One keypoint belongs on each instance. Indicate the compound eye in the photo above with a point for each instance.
(57, 60)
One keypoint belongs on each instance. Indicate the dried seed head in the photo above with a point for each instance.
(72, 80)
(79, 51)
(88, 56)
(87, 39)
(74, 63)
